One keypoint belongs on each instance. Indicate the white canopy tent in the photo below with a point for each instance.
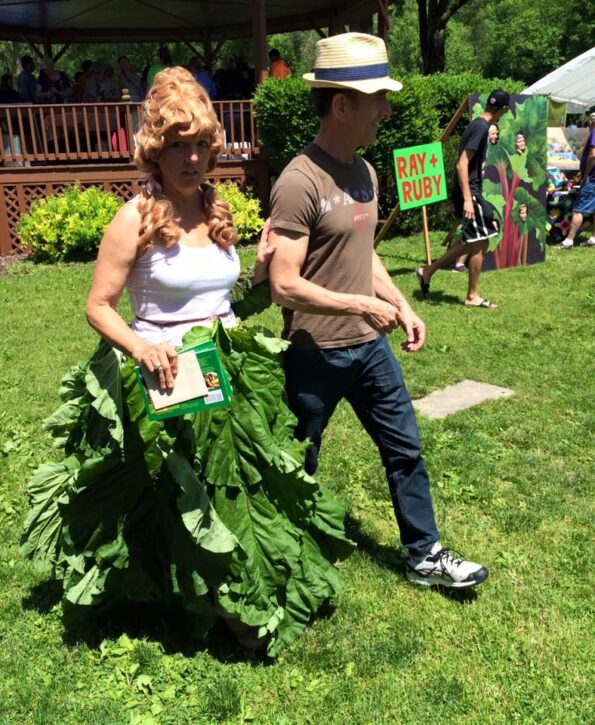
(572, 83)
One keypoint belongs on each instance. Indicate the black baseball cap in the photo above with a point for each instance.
(498, 98)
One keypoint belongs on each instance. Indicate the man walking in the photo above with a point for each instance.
(585, 204)
(339, 301)
(478, 223)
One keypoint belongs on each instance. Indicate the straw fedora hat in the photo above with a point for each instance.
(352, 60)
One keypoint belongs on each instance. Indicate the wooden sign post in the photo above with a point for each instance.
(420, 181)
(452, 124)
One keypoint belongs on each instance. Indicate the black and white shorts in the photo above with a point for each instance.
(483, 226)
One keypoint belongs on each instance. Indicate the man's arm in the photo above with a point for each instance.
(385, 289)
(463, 174)
(589, 165)
(291, 290)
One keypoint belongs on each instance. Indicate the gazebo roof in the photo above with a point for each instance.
(155, 20)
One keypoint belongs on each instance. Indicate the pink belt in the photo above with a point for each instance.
(173, 323)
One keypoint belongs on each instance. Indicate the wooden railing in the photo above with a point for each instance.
(48, 134)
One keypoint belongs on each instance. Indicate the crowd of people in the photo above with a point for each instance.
(96, 81)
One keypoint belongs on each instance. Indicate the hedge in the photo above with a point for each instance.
(69, 226)
(420, 112)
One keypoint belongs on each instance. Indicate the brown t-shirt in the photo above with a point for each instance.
(335, 204)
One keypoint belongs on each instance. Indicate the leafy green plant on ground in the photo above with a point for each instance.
(68, 226)
(245, 209)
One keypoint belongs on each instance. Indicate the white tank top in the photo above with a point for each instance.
(183, 284)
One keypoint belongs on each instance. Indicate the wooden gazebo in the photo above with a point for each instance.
(45, 147)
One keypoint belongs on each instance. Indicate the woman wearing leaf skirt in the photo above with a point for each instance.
(212, 513)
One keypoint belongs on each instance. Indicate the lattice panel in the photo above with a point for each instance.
(19, 196)
(13, 214)
(126, 189)
(32, 193)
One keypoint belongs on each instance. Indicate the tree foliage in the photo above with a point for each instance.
(433, 19)
(502, 38)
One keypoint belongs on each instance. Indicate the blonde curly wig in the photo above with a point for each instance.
(176, 105)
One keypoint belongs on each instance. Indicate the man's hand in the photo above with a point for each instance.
(413, 327)
(380, 315)
(468, 211)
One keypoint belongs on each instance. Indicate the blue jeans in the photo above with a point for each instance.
(370, 378)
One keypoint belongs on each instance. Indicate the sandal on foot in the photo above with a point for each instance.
(424, 286)
(484, 303)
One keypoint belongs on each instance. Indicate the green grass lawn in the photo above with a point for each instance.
(512, 485)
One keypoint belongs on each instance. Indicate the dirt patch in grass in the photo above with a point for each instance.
(9, 259)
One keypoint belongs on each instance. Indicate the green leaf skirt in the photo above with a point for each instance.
(211, 514)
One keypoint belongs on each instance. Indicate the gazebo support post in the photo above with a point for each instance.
(47, 47)
(193, 48)
(63, 50)
(336, 25)
(383, 19)
(207, 53)
(34, 47)
(259, 27)
(364, 26)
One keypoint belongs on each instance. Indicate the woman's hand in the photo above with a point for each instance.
(264, 254)
(160, 359)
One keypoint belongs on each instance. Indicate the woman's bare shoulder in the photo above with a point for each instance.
(127, 219)
(123, 231)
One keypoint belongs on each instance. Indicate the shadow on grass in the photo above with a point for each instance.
(174, 631)
(390, 558)
(401, 271)
(386, 557)
(43, 597)
(436, 297)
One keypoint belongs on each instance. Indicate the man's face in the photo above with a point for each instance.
(501, 112)
(365, 111)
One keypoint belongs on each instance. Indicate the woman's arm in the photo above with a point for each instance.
(117, 254)
(264, 253)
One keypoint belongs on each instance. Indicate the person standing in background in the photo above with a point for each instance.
(26, 82)
(585, 203)
(279, 66)
(478, 223)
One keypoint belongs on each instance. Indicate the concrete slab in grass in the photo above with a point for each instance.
(457, 397)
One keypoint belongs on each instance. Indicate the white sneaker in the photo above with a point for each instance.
(591, 242)
(567, 243)
(441, 567)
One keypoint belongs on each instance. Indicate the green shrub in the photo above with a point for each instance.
(244, 208)
(68, 226)
(420, 112)
(286, 121)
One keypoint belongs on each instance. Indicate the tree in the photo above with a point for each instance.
(524, 40)
(403, 39)
(433, 19)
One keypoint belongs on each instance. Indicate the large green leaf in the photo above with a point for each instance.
(314, 582)
(199, 517)
(48, 490)
(249, 300)
(104, 384)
